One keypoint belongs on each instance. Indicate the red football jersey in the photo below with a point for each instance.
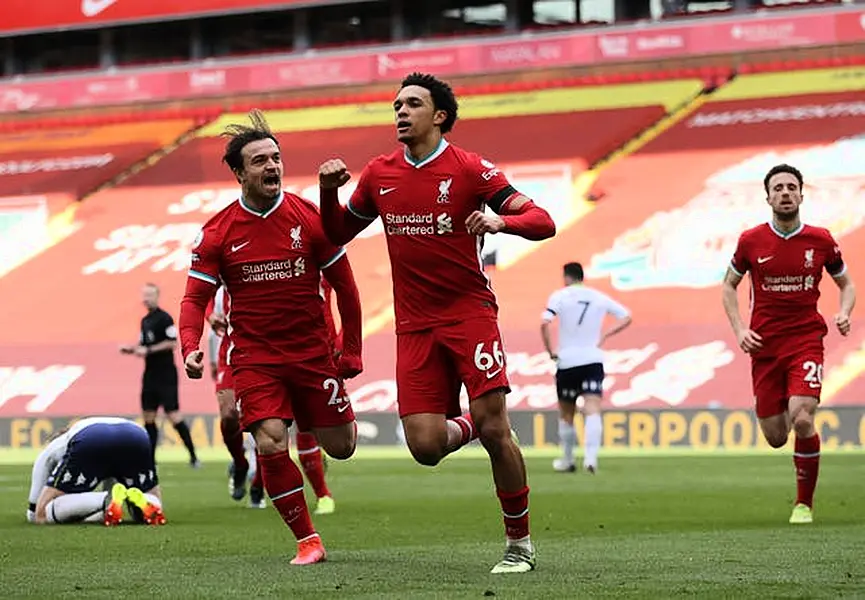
(786, 270)
(270, 264)
(438, 274)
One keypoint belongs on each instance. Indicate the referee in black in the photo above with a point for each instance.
(156, 346)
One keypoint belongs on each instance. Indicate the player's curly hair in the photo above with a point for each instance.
(240, 135)
(442, 96)
(783, 168)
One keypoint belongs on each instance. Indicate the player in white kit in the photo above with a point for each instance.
(580, 361)
(93, 450)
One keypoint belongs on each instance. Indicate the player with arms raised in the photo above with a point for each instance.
(269, 251)
(786, 259)
(431, 196)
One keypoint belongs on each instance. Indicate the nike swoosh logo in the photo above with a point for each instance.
(763, 259)
(238, 246)
(383, 191)
(343, 408)
(91, 8)
(493, 374)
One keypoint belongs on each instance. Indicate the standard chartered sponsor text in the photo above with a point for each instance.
(273, 270)
(410, 224)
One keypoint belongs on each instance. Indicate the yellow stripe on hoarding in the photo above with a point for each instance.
(664, 93)
(796, 83)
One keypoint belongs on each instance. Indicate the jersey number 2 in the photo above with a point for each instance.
(333, 385)
(813, 373)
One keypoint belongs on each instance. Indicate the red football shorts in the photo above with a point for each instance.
(224, 378)
(796, 371)
(432, 365)
(309, 393)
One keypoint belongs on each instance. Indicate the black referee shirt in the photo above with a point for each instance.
(158, 326)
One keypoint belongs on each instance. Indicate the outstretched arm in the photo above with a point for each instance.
(341, 278)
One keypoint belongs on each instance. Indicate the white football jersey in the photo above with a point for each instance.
(581, 311)
(54, 452)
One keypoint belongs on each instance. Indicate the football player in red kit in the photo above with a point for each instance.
(269, 251)
(431, 196)
(309, 454)
(786, 259)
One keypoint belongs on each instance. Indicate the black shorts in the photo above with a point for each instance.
(101, 451)
(576, 381)
(158, 390)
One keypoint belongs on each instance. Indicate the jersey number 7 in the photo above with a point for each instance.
(585, 304)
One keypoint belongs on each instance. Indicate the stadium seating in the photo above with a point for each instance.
(662, 235)
(658, 235)
(142, 229)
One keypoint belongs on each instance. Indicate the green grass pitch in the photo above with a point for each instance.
(647, 526)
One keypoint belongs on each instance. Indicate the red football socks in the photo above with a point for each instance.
(257, 481)
(515, 509)
(284, 484)
(806, 458)
(313, 466)
(232, 436)
(467, 426)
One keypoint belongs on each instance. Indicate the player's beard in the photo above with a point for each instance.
(786, 216)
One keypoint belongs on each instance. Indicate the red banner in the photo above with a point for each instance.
(24, 15)
(712, 36)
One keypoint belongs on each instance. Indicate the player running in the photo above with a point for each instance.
(580, 360)
(431, 196)
(229, 420)
(786, 259)
(270, 252)
(309, 454)
(93, 450)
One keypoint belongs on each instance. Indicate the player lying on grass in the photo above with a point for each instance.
(786, 259)
(91, 451)
(269, 251)
(432, 197)
(309, 454)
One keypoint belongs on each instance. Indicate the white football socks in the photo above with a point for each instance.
(594, 431)
(568, 439)
(88, 507)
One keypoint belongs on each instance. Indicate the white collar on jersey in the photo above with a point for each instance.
(787, 235)
(417, 164)
(266, 213)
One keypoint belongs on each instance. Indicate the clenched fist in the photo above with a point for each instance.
(333, 174)
(194, 364)
(479, 223)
